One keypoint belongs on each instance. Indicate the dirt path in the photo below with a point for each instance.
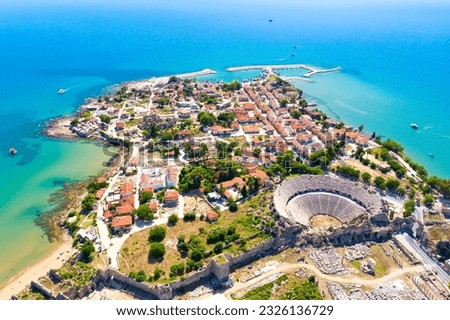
(286, 267)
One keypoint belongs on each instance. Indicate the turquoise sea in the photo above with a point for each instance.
(394, 57)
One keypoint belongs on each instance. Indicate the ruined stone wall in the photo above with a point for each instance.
(155, 292)
(37, 287)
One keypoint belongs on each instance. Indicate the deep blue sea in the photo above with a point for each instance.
(395, 59)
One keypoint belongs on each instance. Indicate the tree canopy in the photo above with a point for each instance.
(157, 250)
(144, 212)
(157, 234)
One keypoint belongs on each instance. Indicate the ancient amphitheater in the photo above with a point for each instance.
(300, 199)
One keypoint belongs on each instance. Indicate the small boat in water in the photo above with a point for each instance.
(292, 54)
(270, 20)
(431, 155)
(414, 126)
(61, 91)
(12, 151)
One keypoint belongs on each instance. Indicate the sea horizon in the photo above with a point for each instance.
(394, 73)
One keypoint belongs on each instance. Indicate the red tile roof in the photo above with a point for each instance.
(100, 193)
(251, 129)
(261, 175)
(153, 206)
(127, 200)
(212, 216)
(230, 183)
(107, 215)
(123, 221)
(171, 195)
(124, 209)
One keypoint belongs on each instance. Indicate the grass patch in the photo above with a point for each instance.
(79, 273)
(286, 287)
(302, 290)
(88, 221)
(132, 122)
(382, 262)
(261, 293)
(247, 223)
(356, 264)
(30, 295)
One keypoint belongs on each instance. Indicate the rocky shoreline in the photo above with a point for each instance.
(60, 128)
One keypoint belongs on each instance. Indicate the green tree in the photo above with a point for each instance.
(157, 273)
(409, 207)
(157, 234)
(105, 118)
(232, 86)
(366, 177)
(380, 182)
(401, 191)
(145, 196)
(257, 152)
(276, 169)
(218, 248)
(87, 250)
(86, 114)
(348, 171)
(428, 199)
(177, 269)
(392, 184)
(141, 276)
(162, 102)
(244, 191)
(226, 118)
(189, 217)
(173, 219)
(233, 206)
(157, 250)
(75, 122)
(88, 202)
(197, 252)
(182, 246)
(296, 114)
(173, 79)
(144, 212)
(393, 146)
(205, 118)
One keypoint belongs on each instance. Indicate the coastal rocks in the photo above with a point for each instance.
(60, 128)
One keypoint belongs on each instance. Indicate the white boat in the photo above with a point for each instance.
(414, 126)
(61, 91)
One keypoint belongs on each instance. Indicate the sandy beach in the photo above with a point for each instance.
(143, 84)
(53, 260)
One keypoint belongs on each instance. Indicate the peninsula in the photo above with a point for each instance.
(244, 190)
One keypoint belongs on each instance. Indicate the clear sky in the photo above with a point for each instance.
(131, 2)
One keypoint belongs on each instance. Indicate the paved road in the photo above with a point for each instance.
(423, 257)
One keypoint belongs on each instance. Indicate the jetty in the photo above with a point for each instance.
(311, 70)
